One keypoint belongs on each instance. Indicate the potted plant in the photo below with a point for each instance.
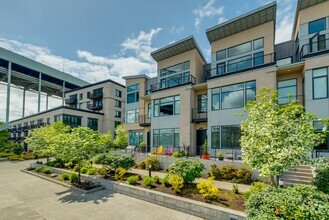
(205, 154)
(220, 155)
(141, 146)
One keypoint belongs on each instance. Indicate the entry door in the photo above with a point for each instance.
(148, 142)
(201, 136)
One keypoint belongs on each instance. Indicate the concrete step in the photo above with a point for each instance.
(297, 177)
(301, 170)
(305, 166)
(298, 173)
(290, 181)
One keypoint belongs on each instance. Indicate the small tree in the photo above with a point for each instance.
(3, 136)
(121, 139)
(80, 144)
(277, 137)
(107, 141)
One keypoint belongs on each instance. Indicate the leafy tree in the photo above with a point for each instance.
(277, 137)
(44, 140)
(3, 136)
(80, 144)
(107, 140)
(121, 139)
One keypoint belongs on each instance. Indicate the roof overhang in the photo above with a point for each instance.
(241, 23)
(136, 76)
(176, 48)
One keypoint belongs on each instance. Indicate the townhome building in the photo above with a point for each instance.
(190, 101)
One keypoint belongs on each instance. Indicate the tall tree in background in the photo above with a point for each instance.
(121, 137)
(3, 136)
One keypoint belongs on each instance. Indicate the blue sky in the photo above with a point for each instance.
(101, 39)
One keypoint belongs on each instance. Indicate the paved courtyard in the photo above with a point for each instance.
(23, 196)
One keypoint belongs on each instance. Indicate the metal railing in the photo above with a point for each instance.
(199, 115)
(243, 65)
(95, 107)
(71, 100)
(26, 127)
(169, 83)
(314, 49)
(144, 120)
(95, 95)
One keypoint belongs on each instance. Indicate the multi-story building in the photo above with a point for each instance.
(99, 106)
(190, 101)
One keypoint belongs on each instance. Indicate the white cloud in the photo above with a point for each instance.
(208, 10)
(134, 58)
(285, 20)
(177, 30)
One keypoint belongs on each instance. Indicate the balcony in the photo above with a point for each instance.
(241, 66)
(144, 121)
(14, 129)
(26, 127)
(95, 95)
(71, 100)
(41, 124)
(199, 115)
(169, 83)
(314, 49)
(33, 126)
(95, 107)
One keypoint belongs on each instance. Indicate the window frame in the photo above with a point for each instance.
(317, 77)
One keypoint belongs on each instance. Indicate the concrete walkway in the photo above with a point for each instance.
(220, 184)
(25, 197)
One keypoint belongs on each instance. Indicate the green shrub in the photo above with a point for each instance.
(321, 181)
(114, 160)
(69, 165)
(157, 179)
(58, 165)
(17, 148)
(177, 154)
(244, 175)
(84, 170)
(176, 181)
(235, 188)
(165, 181)
(132, 180)
(55, 163)
(153, 161)
(256, 187)
(74, 178)
(228, 172)
(27, 156)
(6, 154)
(102, 171)
(76, 168)
(207, 188)
(294, 202)
(215, 172)
(39, 169)
(119, 173)
(187, 168)
(65, 176)
(148, 181)
(47, 170)
(15, 157)
(142, 165)
(92, 171)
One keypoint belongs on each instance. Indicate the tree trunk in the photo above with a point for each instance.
(79, 173)
(47, 159)
(272, 181)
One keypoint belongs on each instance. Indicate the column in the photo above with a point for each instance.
(47, 102)
(63, 94)
(8, 92)
(23, 102)
(39, 92)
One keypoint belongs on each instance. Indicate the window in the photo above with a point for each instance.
(93, 123)
(287, 88)
(230, 137)
(80, 105)
(56, 119)
(215, 137)
(243, 48)
(317, 26)
(149, 110)
(175, 80)
(163, 83)
(117, 123)
(319, 126)
(166, 137)
(320, 83)
(80, 96)
(259, 43)
(220, 55)
(117, 114)
(317, 43)
(220, 68)
(175, 69)
(239, 63)
(258, 58)
(133, 93)
(118, 93)
(202, 103)
(215, 98)
(250, 91)
(71, 120)
(232, 96)
(284, 61)
(132, 116)
(117, 103)
(135, 137)
(181, 75)
(167, 106)
(48, 121)
(98, 103)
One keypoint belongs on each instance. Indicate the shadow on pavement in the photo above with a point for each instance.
(69, 196)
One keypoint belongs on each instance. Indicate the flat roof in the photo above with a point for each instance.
(302, 4)
(136, 76)
(243, 22)
(95, 84)
(175, 48)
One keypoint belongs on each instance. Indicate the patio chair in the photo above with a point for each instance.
(170, 150)
(160, 149)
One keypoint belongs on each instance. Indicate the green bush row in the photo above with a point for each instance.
(114, 160)
(232, 173)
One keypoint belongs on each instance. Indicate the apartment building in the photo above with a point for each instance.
(190, 100)
(99, 106)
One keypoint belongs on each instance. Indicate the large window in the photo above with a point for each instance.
(202, 103)
(220, 55)
(239, 63)
(166, 137)
(287, 88)
(233, 96)
(259, 43)
(118, 93)
(117, 103)
(71, 120)
(167, 106)
(135, 137)
(225, 137)
(317, 26)
(149, 110)
(215, 137)
(117, 114)
(93, 123)
(175, 69)
(242, 48)
(132, 116)
(133, 93)
(320, 83)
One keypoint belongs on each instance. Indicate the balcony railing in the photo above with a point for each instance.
(41, 124)
(95, 107)
(199, 115)
(95, 95)
(26, 127)
(19, 129)
(33, 126)
(243, 65)
(169, 83)
(314, 49)
(144, 120)
(71, 100)
(14, 129)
